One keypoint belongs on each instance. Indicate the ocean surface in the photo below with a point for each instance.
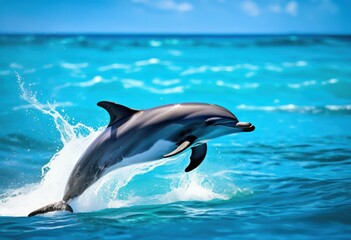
(289, 179)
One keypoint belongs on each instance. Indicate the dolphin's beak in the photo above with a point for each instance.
(238, 126)
(245, 126)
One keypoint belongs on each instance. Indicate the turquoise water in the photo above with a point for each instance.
(289, 179)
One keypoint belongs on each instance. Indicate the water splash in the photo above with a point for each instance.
(55, 173)
(105, 193)
(67, 131)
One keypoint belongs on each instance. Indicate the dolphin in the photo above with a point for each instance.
(135, 136)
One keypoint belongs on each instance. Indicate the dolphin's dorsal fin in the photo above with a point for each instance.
(116, 111)
(197, 156)
(182, 146)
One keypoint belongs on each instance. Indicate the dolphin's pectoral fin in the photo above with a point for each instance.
(197, 156)
(179, 149)
(182, 146)
(116, 111)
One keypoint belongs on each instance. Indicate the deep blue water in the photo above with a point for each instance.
(289, 179)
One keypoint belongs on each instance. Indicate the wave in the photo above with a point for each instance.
(312, 82)
(165, 82)
(95, 80)
(53, 105)
(136, 66)
(243, 66)
(133, 83)
(343, 109)
(17, 141)
(290, 41)
(147, 62)
(206, 68)
(177, 86)
(113, 66)
(114, 42)
(5, 73)
(74, 66)
(160, 87)
(237, 86)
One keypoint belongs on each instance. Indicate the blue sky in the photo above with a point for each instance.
(176, 16)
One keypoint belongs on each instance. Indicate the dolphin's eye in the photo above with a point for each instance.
(210, 122)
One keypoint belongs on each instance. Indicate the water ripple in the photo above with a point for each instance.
(341, 109)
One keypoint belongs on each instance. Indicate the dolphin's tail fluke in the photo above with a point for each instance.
(59, 206)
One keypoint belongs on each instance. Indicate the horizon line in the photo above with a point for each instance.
(151, 34)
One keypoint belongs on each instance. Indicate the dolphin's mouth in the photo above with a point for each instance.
(239, 126)
(245, 126)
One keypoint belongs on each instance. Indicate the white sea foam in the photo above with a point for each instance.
(105, 192)
(74, 66)
(19, 202)
(183, 187)
(190, 187)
